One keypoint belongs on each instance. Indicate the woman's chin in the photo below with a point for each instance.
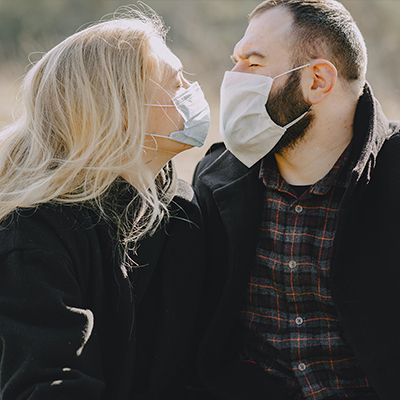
(174, 147)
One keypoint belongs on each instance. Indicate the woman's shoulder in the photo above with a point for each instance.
(185, 191)
(185, 202)
(50, 226)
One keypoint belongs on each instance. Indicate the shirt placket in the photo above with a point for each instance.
(296, 216)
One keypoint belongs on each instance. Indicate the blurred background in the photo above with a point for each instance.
(203, 34)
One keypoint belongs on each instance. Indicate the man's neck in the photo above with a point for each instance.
(313, 157)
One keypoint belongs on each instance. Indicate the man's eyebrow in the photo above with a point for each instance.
(251, 53)
(254, 53)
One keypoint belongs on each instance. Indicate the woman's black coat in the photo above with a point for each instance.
(72, 326)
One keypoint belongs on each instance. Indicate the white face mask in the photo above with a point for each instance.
(248, 130)
(195, 111)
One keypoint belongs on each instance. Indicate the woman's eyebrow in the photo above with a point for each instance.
(171, 73)
(175, 72)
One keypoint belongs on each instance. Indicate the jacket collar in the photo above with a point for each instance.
(225, 170)
(338, 176)
(371, 130)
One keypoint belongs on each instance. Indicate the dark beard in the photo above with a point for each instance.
(284, 107)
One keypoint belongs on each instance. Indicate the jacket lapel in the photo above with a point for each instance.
(237, 192)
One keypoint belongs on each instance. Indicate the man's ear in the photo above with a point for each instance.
(319, 80)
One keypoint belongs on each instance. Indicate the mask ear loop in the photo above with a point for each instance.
(304, 114)
(292, 70)
(296, 120)
(170, 119)
(153, 136)
(162, 106)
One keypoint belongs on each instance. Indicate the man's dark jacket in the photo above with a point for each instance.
(72, 326)
(365, 269)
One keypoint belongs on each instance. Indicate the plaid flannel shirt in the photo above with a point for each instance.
(289, 310)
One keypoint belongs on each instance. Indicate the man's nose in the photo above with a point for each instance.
(240, 66)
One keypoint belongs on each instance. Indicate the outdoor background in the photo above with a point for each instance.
(202, 34)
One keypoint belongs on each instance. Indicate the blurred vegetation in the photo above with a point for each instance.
(203, 33)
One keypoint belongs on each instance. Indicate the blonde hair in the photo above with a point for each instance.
(82, 124)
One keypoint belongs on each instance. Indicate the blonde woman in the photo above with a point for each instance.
(100, 247)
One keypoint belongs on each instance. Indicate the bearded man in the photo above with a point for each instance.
(302, 216)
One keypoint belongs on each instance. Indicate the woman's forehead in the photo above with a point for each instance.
(166, 56)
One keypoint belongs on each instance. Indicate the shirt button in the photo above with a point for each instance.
(292, 264)
(301, 367)
(298, 209)
(299, 321)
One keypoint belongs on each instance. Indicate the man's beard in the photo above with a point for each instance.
(285, 106)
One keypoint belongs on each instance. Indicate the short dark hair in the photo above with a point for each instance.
(324, 28)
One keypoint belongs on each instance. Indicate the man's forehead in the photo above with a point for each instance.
(269, 29)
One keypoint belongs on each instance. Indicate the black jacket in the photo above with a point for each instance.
(73, 327)
(365, 266)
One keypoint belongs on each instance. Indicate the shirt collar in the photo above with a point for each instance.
(338, 176)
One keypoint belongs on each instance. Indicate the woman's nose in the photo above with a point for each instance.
(185, 83)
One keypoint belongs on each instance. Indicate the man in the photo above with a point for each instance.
(302, 216)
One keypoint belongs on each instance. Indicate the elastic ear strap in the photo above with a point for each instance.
(296, 120)
(160, 105)
(157, 135)
(292, 70)
(163, 106)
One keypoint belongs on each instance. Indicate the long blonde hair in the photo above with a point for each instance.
(83, 121)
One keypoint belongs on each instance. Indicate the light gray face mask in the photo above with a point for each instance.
(248, 130)
(195, 111)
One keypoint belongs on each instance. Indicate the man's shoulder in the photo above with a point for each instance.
(184, 206)
(388, 161)
(394, 133)
(391, 148)
(214, 152)
(216, 149)
(201, 188)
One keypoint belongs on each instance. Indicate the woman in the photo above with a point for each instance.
(100, 247)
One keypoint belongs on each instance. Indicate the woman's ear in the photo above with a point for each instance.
(319, 80)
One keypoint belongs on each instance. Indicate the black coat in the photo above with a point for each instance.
(72, 326)
(365, 267)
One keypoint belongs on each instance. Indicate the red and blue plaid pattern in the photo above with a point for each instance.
(291, 325)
